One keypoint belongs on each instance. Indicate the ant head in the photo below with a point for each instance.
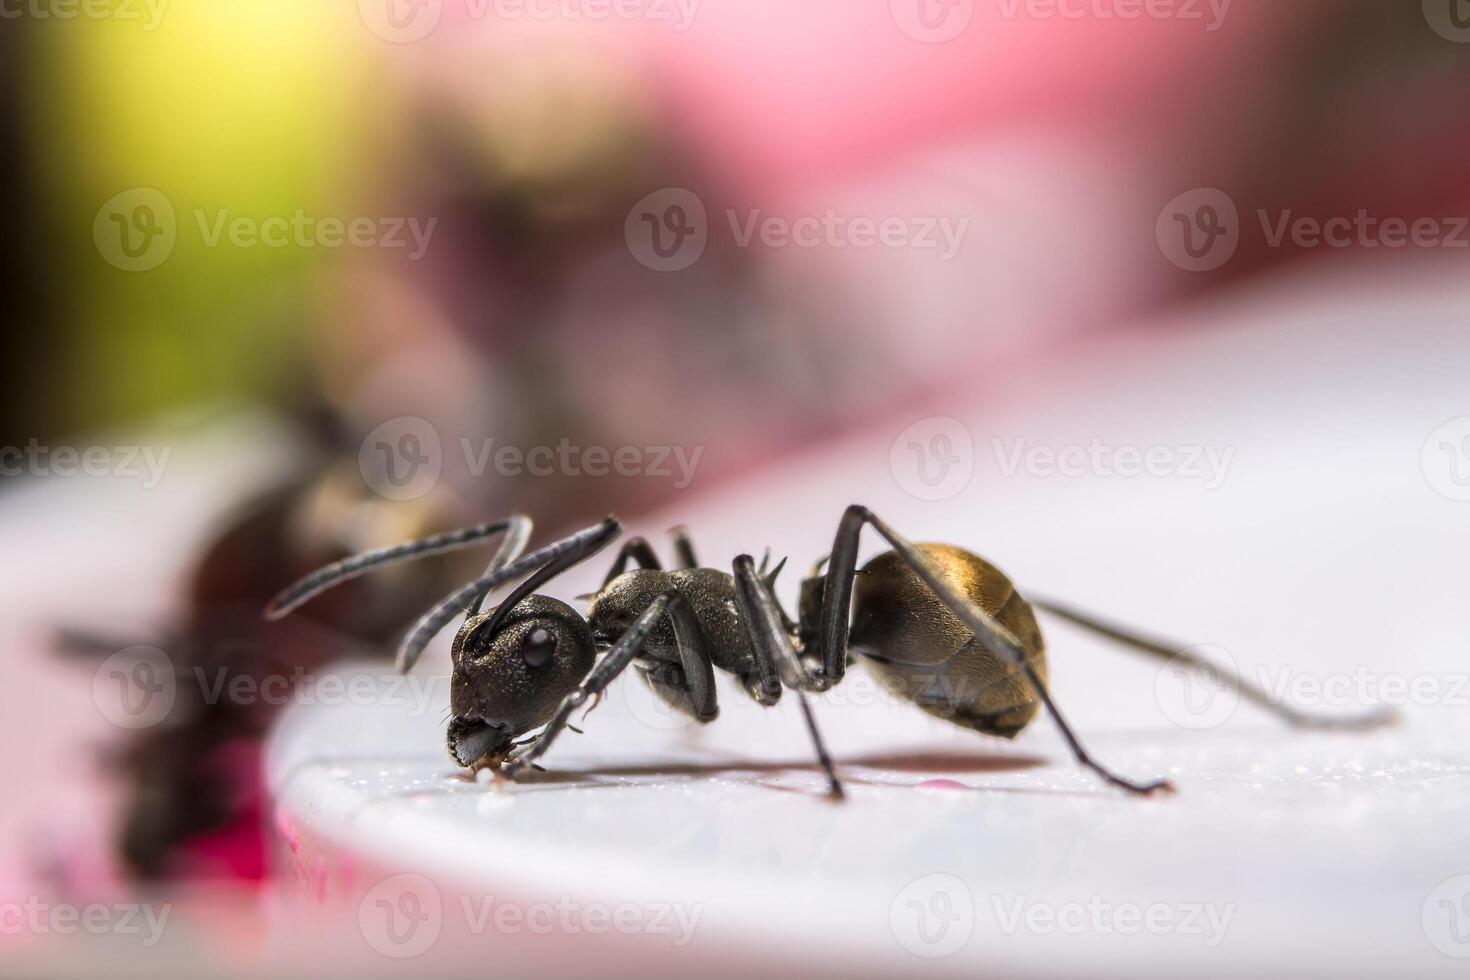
(510, 674)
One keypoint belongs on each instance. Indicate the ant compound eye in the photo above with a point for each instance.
(538, 647)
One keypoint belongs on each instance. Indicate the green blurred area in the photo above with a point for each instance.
(222, 106)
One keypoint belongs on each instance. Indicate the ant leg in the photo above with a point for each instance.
(347, 569)
(544, 563)
(694, 674)
(994, 638)
(636, 550)
(777, 661)
(834, 785)
(1165, 650)
(684, 548)
(616, 660)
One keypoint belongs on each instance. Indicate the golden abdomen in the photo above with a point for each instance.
(921, 651)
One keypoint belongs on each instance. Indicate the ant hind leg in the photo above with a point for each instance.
(1179, 653)
(989, 634)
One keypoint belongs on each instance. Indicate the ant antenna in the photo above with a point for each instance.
(511, 547)
(559, 557)
(335, 574)
(546, 563)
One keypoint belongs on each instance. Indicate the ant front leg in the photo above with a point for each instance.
(698, 673)
(994, 638)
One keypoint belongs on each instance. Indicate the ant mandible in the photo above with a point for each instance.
(939, 625)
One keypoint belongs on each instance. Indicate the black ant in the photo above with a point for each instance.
(942, 626)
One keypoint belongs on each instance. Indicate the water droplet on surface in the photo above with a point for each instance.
(941, 786)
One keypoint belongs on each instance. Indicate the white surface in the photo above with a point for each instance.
(1326, 552)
